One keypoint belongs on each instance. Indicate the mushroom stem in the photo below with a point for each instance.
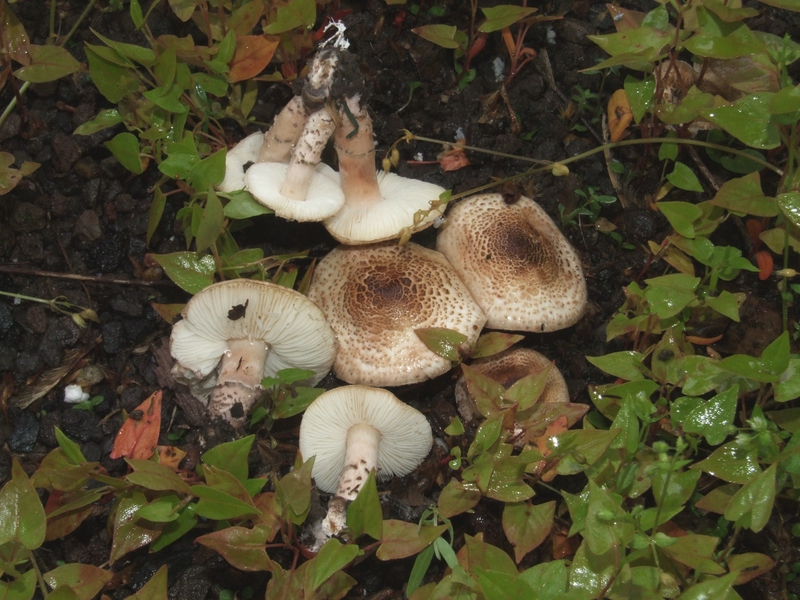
(284, 133)
(307, 155)
(356, 151)
(239, 380)
(361, 457)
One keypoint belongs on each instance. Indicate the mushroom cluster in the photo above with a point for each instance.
(497, 264)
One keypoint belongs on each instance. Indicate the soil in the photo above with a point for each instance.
(83, 214)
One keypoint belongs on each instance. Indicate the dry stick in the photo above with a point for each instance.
(37, 273)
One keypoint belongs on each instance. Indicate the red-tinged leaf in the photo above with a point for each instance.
(65, 512)
(219, 506)
(401, 539)
(14, 38)
(270, 515)
(225, 482)
(443, 342)
(155, 588)
(765, 264)
(22, 517)
(703, 341)
(453, 161)
(457, 497)
(750, 565)
(138, 436)
(697, 552)
(130, 533)
(243, 548)
(493, 343)
(754, 230)
(85, 580)
(157, 477)
(170, 456)
(526, 526)
(478, 554)
(252, 55)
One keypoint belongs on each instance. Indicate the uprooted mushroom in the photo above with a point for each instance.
(235, 333)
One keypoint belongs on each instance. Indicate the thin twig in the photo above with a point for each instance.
(91, 279)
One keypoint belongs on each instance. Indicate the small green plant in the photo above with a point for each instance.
(590, 207)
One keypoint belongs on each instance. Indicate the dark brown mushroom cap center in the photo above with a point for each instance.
(516, 246)
(388, 292)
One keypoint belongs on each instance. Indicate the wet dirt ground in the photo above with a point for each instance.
(82, 214)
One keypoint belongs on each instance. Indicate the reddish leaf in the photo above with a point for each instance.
(453, 161)
(138, 436)
(750, 565)
(155, 588)
(130, 533)
(168, 312)
(85, 580)
(457, 497)
(619, 115)
(252, 55)
(765, 264)
(243, 548)
(703, 341)
(754, 230)
(401, 539)
(526, 526)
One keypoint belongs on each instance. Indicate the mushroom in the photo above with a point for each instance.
(508, 367)
(246, 151)
(235, 333)
(376, 296)
(519, 267)
(352, 430)
(378, 206)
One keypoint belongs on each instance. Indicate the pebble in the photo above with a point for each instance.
(87, 168)
(28, 217)
(88, 225)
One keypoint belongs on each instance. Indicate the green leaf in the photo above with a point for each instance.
(607, 523)
(208, 172)
(497, 585)
(579, 449)
(442, 341)
(332, 557)
(136, 14)
(85, 580)
(294, 492)
(210, 223)
(684, 178)
(21, 588)
(183, 9)
(720, 588)
(446, 36)
(592, 572)
(125, 147)
(626, 364)
(112, 80)
(71, 450)
(748, 120)
(456, 498)
(713, 417)
(418, 571)
(364, 514)
(647, 42)
(48, 63)
(218, 505)
(751, 506)
(168, 97)
(155, 588)
(154, 476)
(527, 525)
(103, 120)
(640, 95)
(681, 215)
(231, 457)
(775, 357)
(242, 205)
(401, 539)
(160, 510)
(493, 343)
(295, 14)
(502, 16)
(789, 204)
(142, 55)
(744, 195)
(190, 271)
(176, 529)
(156, 212)
(294, 405)
(22, 517)
(691, 107)
(789, 386)
(731, 463)
(668, 295)
(697, 552)
(725, 304)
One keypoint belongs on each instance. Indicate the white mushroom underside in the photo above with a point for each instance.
(324, 198)
(384, 219)
(405, 433)
(237, 157)
(303, 340)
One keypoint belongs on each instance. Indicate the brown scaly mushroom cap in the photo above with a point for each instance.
(235, 333)
(375, 296)
(519, 267)
(378, 205)
(354, 429)
(508, 367)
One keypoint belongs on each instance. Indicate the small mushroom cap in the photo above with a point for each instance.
(405, 433)
(509, 366)
(293, 328)
(324, 198)
(375, 296)
(236, 158)
(368, 222)
(519, 267)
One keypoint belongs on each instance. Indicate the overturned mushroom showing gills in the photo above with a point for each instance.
(235, 333)
(354, 429)
(508, 367)
(378, 206)
(376, 296)
(246, 151)
(519, 267)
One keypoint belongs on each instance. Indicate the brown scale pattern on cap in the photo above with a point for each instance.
(375, 296)
(519, 267)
